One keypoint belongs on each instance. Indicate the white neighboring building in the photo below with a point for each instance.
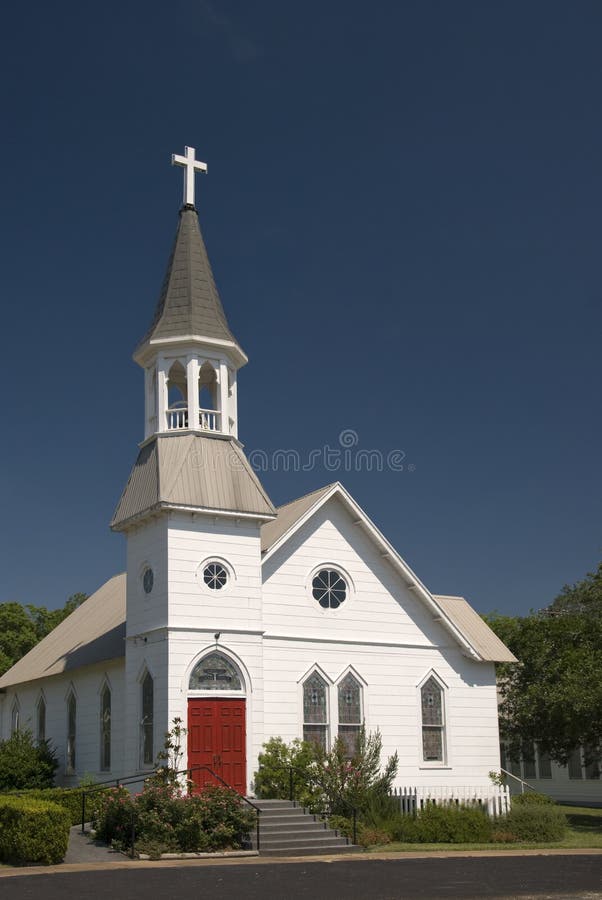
(244, 620)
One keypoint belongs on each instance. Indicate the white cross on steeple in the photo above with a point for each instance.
(191, 165)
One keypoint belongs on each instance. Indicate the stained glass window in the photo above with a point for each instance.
(432, 721)
(105, 729)
(592, 760)
(71, 733)
(215, 673)
(315, 710)
(41, 730)
(329, 588)
(350, 712)
(147, 721)
(528, 755)
(148, 579)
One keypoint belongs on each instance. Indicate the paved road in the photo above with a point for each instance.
(352, 879)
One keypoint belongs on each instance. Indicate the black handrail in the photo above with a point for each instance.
(348, 803)
(132, 779)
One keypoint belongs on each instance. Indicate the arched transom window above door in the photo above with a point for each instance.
(215, 672)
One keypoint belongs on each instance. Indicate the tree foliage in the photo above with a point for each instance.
(26, 763)
(554, 694)
(22, 627)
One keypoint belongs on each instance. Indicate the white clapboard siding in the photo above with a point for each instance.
(493, 798)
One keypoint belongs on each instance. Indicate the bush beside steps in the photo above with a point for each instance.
(32, 831)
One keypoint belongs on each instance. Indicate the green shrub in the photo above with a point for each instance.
(166, 820)
(535, 822)
(26, 763)
(532, 798)
(328, 783)
(446, 824)
(69, 798)
(32, 831)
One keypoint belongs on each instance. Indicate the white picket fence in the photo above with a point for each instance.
(494, 798)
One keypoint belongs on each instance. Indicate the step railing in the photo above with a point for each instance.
(142, 777)
(523, 784)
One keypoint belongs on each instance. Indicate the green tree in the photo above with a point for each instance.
(553, 695)
(22, 627)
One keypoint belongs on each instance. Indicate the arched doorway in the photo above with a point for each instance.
(217, 722)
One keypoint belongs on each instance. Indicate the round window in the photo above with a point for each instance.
(329, 588)
(215, 576)
(148, 580)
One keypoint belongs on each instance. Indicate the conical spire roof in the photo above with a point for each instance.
(189, 305)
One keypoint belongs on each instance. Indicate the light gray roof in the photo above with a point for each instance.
(468, 621)
(193, 471)
(93, 633)
(189, 303)
(288, 515)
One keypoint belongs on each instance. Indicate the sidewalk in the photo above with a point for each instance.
(84, 849)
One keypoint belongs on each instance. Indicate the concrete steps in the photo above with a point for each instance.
(289, 830)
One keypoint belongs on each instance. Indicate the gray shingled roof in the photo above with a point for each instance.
(189, 303)
(193, 471)
(93, 633)
(288, 515)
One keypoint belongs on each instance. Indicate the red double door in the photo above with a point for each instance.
(216, 739)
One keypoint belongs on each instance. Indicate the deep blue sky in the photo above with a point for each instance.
(403, 213)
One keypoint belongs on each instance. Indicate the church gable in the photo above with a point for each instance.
(369, 600)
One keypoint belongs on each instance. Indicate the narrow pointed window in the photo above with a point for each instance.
(105, 729)
(41, 721)
(147, 721)
(71, 733)
(433, 737)
(350, 712)
(315, 711)
(15, 717)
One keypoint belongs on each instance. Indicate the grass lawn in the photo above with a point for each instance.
(585, 831)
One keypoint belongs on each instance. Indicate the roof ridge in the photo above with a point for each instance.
(309, 494)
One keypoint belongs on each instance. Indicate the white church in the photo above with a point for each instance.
(245, 620)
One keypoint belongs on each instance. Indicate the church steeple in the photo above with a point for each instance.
(189, 354)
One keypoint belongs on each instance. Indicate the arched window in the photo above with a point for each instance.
(15, 717)
(147, 721)
(315, 710)
(71, 733)
(350, 712)
(433, 722)
(177, 397)
(105, 729)
(215, 673)
(208, 398)
(41, 720)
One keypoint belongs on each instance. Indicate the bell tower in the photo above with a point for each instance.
(189, 355)
(192, 511)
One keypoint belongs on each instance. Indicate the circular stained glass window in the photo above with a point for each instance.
(148, 580)
(329, 588)
(215, 576)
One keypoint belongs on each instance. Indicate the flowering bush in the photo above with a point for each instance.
(166, 819)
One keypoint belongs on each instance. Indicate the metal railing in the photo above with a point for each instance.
(523, 784)
(142, 777)
(339, 797)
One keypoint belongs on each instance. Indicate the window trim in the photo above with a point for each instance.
(104, 688)
(344, 574)
(71, 737)
(41, 702)
(144, 765)
(200, 577)
(350, 673)
(443, 763)
(327, 725)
